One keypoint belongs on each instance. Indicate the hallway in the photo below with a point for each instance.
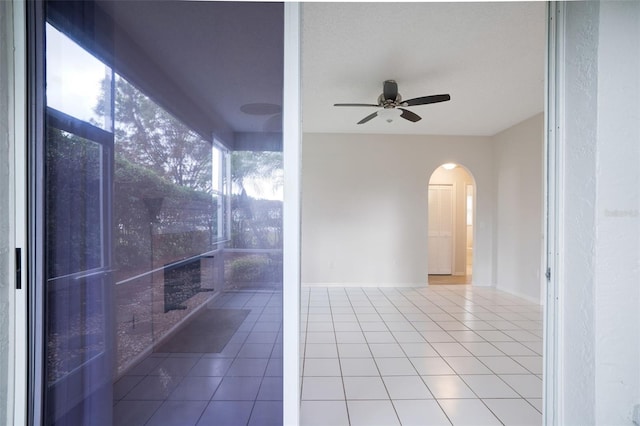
(412, 356)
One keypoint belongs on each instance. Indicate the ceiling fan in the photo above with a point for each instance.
(392, 104)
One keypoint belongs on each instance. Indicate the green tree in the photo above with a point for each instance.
(149, 136)
(265, 166)
(164, 208)
(256, 223)
(184, 208)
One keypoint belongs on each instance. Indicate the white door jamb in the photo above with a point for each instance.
(553, 258)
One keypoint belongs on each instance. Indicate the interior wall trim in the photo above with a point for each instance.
(292, 135)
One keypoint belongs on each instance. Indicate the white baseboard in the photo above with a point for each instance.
(475, 284)
(520, 295)
(414, 285)
(364, 285)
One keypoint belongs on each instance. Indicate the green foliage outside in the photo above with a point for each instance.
(255, 223)
(73, 205)
(159, 160)
(249, 269)
(165, 208)
(136, 224)
(148, 136)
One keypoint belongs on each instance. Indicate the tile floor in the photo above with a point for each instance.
(437, 355)
(242, 385)
(372, 356)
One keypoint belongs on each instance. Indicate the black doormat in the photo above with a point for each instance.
(209, 332)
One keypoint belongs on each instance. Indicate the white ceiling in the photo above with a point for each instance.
(220, 56)
(488, 56)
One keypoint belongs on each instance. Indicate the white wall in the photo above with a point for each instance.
(617, 289)
(519, 208)
(599, 329)
(365, 198)
(364, 206)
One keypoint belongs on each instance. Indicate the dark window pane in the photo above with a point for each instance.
(74, 204)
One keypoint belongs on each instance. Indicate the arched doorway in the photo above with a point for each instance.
(451, 220)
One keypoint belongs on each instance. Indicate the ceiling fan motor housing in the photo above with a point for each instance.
(389, 103)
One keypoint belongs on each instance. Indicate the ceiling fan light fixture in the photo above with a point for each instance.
(389, 114)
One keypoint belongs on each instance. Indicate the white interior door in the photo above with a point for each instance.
(440, 229)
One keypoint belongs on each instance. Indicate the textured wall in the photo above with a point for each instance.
(617, 290)
(578, 220)
(599, 292)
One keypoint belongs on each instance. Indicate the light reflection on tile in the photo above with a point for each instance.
(241, 384)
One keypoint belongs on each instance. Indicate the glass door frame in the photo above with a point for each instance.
(291, 147)
(35, 90)
(39, 117)
(29, 89)
(18, 349)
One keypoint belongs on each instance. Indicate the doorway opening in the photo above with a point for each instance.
(450, 225)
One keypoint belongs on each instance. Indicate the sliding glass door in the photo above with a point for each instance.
(156, 213)
(78, 170)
